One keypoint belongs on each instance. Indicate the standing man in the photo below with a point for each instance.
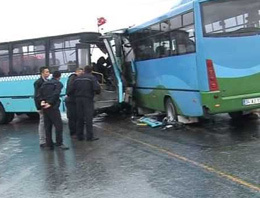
(45, 73)
(70, 102)
(85, 87)
(50, 102)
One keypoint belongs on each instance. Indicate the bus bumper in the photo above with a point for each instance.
(214, 103)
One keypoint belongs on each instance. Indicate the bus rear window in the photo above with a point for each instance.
(230, 18)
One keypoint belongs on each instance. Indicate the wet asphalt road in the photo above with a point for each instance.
(218, 158)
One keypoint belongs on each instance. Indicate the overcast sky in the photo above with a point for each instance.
(24, 19)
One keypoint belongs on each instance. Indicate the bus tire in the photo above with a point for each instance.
(2, 115)
(236, 115)
(170, 110)
(9, 117)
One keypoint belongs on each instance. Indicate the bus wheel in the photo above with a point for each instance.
(2, 115)
(170, 109)
(33, 116)
(9, 117)
(236, 115)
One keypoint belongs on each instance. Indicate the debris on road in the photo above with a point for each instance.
(151, 122)
(157, 119)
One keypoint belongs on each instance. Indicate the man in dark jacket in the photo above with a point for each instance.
(45, 73)
(85, 87)
(71, 102)
(50, 102)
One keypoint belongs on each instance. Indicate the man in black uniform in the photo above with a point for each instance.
(45, 73)
(71, 102)
(50, 102)
(85, 87)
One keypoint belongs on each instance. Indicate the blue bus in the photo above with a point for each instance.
(199, 58)
(20, 62)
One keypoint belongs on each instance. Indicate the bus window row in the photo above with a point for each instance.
(176, 42)
(174, 36)
(230, 20)
(174, 23)
(27, 57)
(30, 64)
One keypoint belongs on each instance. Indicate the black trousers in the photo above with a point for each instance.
(72, 116)
(85, 111)
(52, 117)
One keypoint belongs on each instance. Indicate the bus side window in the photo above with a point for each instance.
(144, 52)
(184, 43)
(182, 49)
(173, 47)
(190, 46)
(4, 65)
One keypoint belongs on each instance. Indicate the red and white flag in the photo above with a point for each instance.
(101, 21)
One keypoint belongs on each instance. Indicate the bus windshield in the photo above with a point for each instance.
(225, 18)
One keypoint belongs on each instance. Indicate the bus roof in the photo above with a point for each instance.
(91, 35)
(183, 6)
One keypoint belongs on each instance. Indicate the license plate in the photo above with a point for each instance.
(251, 101)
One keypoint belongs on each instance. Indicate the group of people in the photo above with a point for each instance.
(81, 88)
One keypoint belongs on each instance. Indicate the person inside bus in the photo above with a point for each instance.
(50, 103)
(145, 51)
(109, 67)
(160, 51)
(70, 102)
(98, 75)
(100, 66)
(45, 73)
(110, 80)
(185, 44)
(104, 66)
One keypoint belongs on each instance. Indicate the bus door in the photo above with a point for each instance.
(107, 97)
(129, 70)
(129, 64)
(83, 54)
(114, 47)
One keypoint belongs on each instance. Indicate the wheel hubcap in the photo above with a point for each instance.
(170, 112)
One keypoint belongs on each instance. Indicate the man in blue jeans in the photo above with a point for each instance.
(45, 73)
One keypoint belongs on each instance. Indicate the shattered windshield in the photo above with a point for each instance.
(231, 18)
